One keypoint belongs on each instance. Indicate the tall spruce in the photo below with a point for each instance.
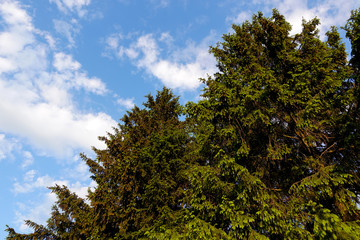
(277, 134)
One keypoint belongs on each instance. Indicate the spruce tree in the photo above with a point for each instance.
(140, 176)
(140, 179)
(277, 134)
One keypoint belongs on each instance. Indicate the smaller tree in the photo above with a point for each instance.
(140, 176)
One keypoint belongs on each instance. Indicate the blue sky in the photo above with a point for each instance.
(69, 70)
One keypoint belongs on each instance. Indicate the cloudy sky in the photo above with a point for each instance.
(70, 69)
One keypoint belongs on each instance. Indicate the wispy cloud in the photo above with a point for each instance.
(67, 29)
(240, 17)
(6, 146)
(39, 210)
(160, 3)
(28, 159)
(154, 3)
(178, 68)
(128, 103)
(74, 6)
(32, 181)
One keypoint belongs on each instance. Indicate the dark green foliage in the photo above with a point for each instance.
(140, 179)
(271, 151)
(140, 175)
(277, 158)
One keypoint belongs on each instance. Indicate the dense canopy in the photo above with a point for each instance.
(271, 151)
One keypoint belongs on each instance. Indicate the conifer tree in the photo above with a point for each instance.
(140, 179)
(278, 134)
(140, 176)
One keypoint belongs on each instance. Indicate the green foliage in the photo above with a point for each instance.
(140, 176)
(270, 152)
(277, 132)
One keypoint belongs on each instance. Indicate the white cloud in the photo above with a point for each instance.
(69, 71)
(160, 3)
(93, 84)
(56, 130)
(167, 38)
(38, 211)
(69, 30)
(129, 52)
(180, 68)
(330, 12)
(240, 18)
(29, 176)
(31, 181)
(72, 6)
(6, 65)
(113, 41)
(6, 146)
(64, 62)
(11, 13)
(82, 190)
(37, 88)
(147, 45)
(128, 103)
(28, 159)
